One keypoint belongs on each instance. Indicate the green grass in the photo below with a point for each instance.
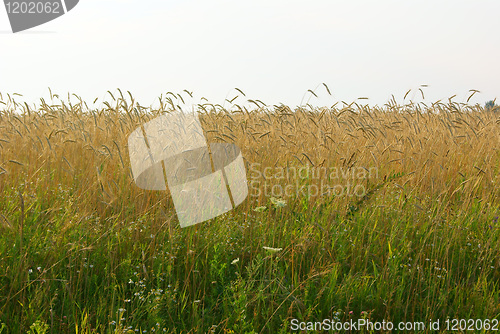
(103, 274)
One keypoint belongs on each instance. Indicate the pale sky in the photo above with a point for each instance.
(273, 50)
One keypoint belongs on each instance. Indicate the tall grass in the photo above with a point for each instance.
(83, 250)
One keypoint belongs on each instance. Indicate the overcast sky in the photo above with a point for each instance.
(273, 50)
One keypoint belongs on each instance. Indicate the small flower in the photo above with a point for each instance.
(235, 261)
(277, 202)
(272, 250)
(260, 209)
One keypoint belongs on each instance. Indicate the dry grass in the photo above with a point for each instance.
(444, 151)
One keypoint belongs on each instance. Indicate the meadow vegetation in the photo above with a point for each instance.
(84, 250)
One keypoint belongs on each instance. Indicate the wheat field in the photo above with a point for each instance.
(391, 214)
